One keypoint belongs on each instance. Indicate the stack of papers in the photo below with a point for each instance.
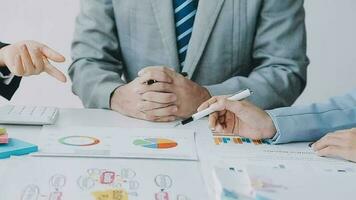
(16, 147)
(13, 147)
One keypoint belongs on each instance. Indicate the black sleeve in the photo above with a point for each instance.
(7, 91)
(2, 45)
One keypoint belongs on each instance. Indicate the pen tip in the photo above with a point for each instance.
(179, 123)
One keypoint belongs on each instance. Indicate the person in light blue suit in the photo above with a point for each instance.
(333, 121)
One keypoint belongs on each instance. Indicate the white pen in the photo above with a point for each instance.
(237, 97)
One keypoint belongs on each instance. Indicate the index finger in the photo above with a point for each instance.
(213, 118)
(328, 140)
(207, 103)
(334, 151)
(159, 76)
(54, 72)
(52, 54)
(167, 70)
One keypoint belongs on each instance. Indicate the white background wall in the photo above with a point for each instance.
(331, 30)
(51, 22)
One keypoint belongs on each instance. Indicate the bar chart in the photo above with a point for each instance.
(223, 140)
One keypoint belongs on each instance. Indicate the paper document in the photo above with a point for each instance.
(280, 180)
(99, 179)
(117, 142)
(302, 181)
(244, 148)
(231, 184)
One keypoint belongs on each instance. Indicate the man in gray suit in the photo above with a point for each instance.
(223, 45)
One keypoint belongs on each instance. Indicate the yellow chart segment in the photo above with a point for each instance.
(110, 195)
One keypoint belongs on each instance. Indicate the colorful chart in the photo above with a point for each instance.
(156, 143)
(237, 140)
(79, 141)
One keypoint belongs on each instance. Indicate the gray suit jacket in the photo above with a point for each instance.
(236, 44)
(310, 123)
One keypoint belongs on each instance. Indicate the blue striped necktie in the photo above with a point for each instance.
(184, 15)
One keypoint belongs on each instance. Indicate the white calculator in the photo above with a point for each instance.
(28, 115)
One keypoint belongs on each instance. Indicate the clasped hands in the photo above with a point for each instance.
(172, 96)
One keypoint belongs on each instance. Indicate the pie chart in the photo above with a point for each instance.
(156, 143)
(79, 141)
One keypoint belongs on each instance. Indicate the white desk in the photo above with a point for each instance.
(105, 118)
(93, 117)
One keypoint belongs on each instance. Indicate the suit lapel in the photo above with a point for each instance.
(208, 11)
(163, 11)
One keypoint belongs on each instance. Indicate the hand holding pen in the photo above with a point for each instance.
(210, 108)
(240, 118)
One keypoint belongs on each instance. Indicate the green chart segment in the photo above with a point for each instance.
(155, 143)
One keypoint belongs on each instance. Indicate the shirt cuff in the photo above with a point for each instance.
(6, 76)
(278, 132)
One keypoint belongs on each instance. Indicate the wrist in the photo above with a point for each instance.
(205, 94)
(272, 129)
(115, 103)
(2, 62)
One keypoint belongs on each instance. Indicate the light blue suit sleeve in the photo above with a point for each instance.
(310, 123)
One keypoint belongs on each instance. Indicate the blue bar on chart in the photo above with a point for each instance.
(218, 140)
